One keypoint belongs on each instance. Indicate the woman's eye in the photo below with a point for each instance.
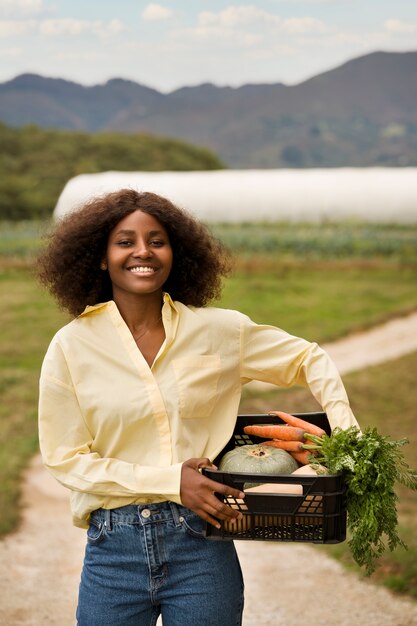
(124, 243)
(157, 242)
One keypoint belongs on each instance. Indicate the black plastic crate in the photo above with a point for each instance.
(315, 513)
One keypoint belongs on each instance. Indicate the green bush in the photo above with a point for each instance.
(35, 164)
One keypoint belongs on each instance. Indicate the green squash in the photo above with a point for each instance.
(257, 459)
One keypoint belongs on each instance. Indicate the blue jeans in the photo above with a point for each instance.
(150, 560)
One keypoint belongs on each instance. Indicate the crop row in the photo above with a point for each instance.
(339, 240)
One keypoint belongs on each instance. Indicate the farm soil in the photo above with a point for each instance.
(286, 584)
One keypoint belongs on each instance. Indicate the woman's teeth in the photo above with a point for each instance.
(142, 270)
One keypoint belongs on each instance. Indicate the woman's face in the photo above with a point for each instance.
(138, 256)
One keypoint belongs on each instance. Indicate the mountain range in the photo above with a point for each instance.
(361, 113)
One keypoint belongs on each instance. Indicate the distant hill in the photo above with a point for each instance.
(36, 163)
(361, 113)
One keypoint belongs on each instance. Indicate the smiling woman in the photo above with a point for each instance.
(69, 266)
(140, 392)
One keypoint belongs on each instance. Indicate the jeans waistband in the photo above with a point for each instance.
(140, 514)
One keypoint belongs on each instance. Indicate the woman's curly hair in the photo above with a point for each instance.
(69, 265)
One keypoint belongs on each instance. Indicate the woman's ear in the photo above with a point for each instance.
(103, 265)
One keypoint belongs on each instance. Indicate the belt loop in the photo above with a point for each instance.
(107, 518)
(175, 513)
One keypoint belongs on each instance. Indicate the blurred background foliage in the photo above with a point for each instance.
(35, 163)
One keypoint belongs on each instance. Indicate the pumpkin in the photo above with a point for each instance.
(257, 459)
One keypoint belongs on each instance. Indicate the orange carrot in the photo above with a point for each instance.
(302, 457)
(297, 422)
(276, 431)
(290, 446)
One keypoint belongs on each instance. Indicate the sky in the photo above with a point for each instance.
(168, 45)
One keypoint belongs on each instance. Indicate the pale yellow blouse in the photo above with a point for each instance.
(116, 432)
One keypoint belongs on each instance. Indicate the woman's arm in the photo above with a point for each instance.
(271, 355)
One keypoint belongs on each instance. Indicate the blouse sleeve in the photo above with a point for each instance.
(271, 355)
(66, 444)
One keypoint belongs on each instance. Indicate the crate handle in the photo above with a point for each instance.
(237, 480)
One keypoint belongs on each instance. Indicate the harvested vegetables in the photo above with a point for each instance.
(371, 464)
(297, 422)
(257, 459)
(303, 458)
(312, 469)
(289, 436)
(276, 431)
(289, 446)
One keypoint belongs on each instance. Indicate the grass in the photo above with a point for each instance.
(322, 301)
(381, 396)
(307, 293)
(321, 280)
(27, 322)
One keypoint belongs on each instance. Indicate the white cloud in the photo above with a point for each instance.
(60, 27)
(20, 7)
(237, 15)
(14, 28)
(114, 27)
(302, 25)
(346, 40)
(251, 18)
(215, 35)
(65, 26)
(249, 27)
(156, 13)
(71, 27)
(397, 26)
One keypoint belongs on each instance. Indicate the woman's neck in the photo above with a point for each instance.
(139, 311)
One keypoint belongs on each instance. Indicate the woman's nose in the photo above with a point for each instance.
(142, 250)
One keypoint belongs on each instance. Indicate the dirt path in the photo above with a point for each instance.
(40, 564)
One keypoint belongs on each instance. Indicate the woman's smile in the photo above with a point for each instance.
(140, 269)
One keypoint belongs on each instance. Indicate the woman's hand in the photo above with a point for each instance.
(197, 493)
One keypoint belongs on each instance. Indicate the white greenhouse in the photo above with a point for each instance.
(369, 194)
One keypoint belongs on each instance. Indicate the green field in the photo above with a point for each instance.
(322, 240)
(322, 302)
(317, 296)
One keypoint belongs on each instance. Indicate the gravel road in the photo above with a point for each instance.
(286, 584)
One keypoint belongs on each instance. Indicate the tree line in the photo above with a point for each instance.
(36, 163)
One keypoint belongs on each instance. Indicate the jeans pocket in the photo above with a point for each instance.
(95, 532)
(193, 525)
